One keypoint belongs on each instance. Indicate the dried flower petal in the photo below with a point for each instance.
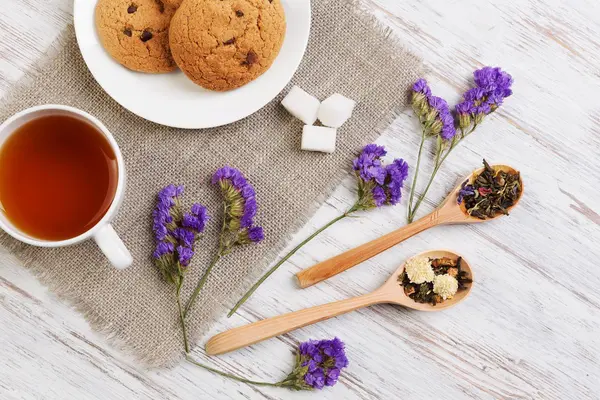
(421, 86)
(445, 285)
(185, 236)
(185, 254)
(163, 248)
(419, 270)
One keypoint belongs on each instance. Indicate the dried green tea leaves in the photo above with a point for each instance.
(492, 193)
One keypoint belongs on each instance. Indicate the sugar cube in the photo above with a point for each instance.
(335, 110)
(318, 138)
(302, 105)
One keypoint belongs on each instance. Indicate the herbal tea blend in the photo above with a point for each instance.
(432, 281)
(492, 193)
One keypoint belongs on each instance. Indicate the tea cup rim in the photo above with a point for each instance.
(121, 176)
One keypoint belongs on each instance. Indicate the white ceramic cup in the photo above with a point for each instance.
(103, 233)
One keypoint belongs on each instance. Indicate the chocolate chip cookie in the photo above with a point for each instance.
(224, 44)
(136, 33)
(173, 3)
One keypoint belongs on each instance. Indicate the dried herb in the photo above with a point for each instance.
(424, 292)
(492, 193)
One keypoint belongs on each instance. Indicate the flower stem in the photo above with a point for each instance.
(438, 163)
(215, 260)
(201, 283)
(225, 374)
(431, 178)
(414, 183)
(285, 258)
(182, 318)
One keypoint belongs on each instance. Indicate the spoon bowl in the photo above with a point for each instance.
(448, 213)
(396, 291)
(471, 178)
(390, 292)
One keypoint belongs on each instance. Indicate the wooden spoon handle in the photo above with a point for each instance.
(349, 259)
(247, 335)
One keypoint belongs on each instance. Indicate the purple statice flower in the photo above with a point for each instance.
(493, 80)
(238, 229)
(192, 222)
(474, 95)
(422, 87)
(368, 164)
(332, 376)
(441, 119)
(253, 234)
(397, 173)
(378, 184)
(433, 112)
(184, 236)
(420, 98)
(256, 234)
(466, 107)
(167, 208)
(184, 255)
(197, 218)
(438, 103)
(241, 206)
(379, 196)
(318, 364)
(465, 190)
(483, 109)
(250, 208)
(163, 248)
(448, 130)
(171, 191)
(493, 86)
(175, 232)
(233, 175)
(200, 212)
(160, 230)
(321, 362)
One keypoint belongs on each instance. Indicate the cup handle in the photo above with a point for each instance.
(113, 247)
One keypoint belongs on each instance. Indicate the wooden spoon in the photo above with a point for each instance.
(449, 212)
(391, 292)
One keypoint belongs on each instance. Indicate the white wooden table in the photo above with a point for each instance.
(531, 327)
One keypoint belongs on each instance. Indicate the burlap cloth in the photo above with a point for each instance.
(348, 52)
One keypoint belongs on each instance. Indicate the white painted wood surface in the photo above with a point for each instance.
(531, 327)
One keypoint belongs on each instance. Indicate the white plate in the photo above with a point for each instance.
(172, 99)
